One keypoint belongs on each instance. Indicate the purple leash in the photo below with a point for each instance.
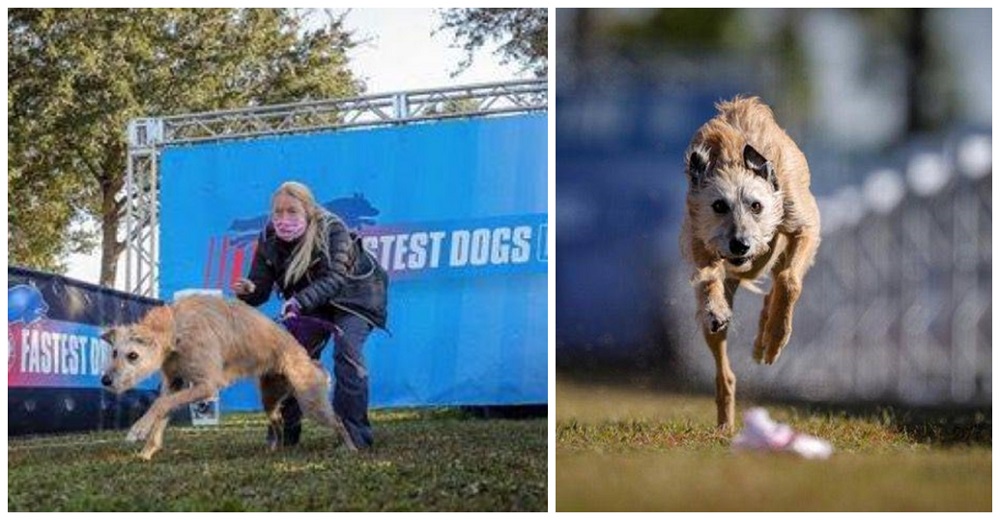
(302, 327)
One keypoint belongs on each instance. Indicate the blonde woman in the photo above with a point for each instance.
(330, 287)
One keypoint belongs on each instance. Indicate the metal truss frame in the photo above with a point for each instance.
(147, 137)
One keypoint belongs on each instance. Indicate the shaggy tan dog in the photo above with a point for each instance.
(202, 344)
(749, 212)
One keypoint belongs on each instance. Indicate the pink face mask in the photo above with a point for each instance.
(289, 228)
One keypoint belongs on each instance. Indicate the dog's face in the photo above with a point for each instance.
(137, 350)
(736, 209)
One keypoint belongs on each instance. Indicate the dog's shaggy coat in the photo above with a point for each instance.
(202, 344)
(749, 212)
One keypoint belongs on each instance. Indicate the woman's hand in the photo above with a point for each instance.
(291, 308)
(243, 286)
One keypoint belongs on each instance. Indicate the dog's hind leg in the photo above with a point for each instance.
(311, 387)
(725, 379)
(274, 389)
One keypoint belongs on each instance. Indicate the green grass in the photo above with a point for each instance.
(628, 450)
(424, 460)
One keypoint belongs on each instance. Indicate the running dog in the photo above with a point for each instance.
(749, 212)
(202, 344)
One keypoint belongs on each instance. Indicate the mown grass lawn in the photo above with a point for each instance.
(424, 460)
(626, 450)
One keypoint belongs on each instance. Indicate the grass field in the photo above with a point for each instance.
(424, 460)
(627, 450)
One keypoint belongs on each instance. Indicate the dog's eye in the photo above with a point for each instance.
(720, 206)
(756, 207)
(132, 356)
(114, 354)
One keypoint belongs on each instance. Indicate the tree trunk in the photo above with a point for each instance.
(111, 213)
(111, 248)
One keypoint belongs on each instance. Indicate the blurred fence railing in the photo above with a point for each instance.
(897, 306)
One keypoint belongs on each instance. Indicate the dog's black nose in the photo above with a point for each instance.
(106, 380)
(738, 247)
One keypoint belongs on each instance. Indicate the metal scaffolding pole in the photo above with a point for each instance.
(142, 199)
(147, 137)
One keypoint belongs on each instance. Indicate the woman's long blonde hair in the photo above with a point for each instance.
(316, 234)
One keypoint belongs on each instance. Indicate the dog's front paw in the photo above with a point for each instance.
(147, 454)
(140, 430)
(715, 319)
(773, 350)
(776, 336)
(759, 346)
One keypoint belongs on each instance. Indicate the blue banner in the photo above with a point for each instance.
(54, 327)
(455, 210)
(470, 247)
(55, 355)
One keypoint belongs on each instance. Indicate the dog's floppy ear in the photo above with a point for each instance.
(160, 320)
(697, 165)
(108, 335)
(759, 165)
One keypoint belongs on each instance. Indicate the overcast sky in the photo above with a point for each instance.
(402, 54)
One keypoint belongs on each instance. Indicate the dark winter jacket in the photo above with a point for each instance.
(348, 280)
